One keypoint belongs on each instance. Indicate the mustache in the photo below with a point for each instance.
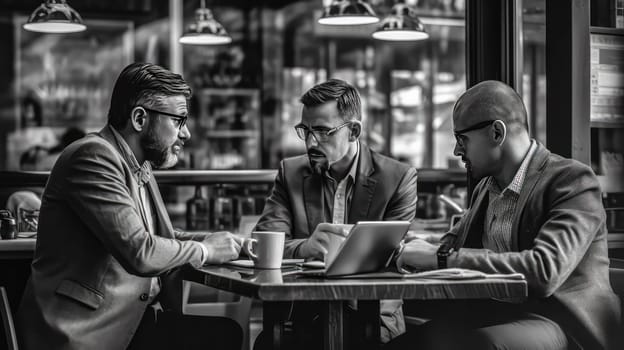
(313, 152)
(318, 161)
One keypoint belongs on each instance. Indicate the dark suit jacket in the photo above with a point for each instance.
(94, 259)
(384, 189)
(559, 244)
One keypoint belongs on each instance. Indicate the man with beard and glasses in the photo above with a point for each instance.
(534, 213)
(340, 181)
(106, 251)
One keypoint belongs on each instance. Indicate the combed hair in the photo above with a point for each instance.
(346, 96)
(143, 84)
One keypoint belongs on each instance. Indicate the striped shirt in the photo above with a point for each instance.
(502, 207)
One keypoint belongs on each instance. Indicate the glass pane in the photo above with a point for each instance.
(225, 108)
(534, 67)
(423, 96)
(62, 88)
(408, 89)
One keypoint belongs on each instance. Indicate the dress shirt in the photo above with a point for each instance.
(337, 194)
(502, 206)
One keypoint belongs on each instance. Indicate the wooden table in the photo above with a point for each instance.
(277, 291)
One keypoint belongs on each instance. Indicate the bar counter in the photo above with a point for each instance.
(191, 177)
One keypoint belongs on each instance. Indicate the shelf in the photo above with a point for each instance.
(191, 177)
(606, 124)
(606, 30)
(226, 134)
(175, 177)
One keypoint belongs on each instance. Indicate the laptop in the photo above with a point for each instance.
(368, 248)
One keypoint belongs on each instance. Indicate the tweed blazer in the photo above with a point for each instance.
(559, 242)
(94, 259)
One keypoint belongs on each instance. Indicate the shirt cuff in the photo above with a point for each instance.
(204, 252)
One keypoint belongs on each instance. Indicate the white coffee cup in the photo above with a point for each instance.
(266, 249)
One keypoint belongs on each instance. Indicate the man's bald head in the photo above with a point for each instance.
(490, 100)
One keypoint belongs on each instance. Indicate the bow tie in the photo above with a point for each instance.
(144, 173)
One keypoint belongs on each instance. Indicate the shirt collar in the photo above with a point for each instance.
(353, 170)
(143, 172)
(518, 179)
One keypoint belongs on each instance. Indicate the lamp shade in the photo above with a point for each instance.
(348, 12)
(205, 30)
(401, 25)
(54, 16)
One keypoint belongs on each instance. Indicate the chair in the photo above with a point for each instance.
(7, 321)
(616, 276)
(200, 300)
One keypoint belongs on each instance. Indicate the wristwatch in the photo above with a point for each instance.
(444, 251)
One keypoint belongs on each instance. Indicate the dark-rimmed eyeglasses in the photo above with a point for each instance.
(320, 134)
(179, 120)
(459, 133)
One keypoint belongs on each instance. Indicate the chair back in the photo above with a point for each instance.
(200, 300)
(7, 321)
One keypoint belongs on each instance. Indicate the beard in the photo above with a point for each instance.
(318, 161)
(159, 154)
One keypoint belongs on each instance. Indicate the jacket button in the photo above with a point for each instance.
(144, 297)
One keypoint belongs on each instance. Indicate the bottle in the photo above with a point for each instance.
(198, 212)
(8, 227)
(245, 206)
(222, 211)
(247, 203)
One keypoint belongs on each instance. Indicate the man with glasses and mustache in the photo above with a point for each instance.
(532, 212)
(340, 181)
(106, 251)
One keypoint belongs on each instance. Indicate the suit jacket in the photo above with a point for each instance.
(384, 189)
(558, 242)
(94, 259)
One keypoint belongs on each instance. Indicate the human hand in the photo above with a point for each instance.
(317, 245)
(222, 246)
(418, 254)
(428, 236)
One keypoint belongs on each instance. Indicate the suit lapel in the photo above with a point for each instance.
(162, 222)
(313, 199)
(472, 235)
(533, 175)
(139, 205)
(364, 188)
(108, 135)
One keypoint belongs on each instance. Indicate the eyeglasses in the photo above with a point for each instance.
(180, 120)
(320, 134)
(459, 133)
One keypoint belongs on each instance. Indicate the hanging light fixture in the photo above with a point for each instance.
(205, 30)
(348, 12)
(401, 24)
(54, 16)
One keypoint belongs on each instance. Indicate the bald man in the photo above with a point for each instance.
(532, 212)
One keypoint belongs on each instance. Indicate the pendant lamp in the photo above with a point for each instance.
(205, 30)
(401, 24)
(54, 16)
(348, 12)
